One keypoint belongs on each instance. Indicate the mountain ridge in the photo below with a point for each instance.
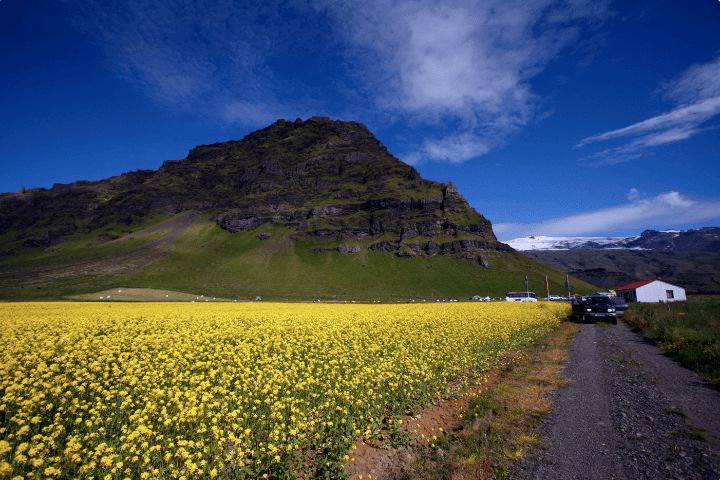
(702, 239)
(324, 178)
(696, 271)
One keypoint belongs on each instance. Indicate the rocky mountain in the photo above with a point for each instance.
(325, 179)
(703, 239)
(302, 209)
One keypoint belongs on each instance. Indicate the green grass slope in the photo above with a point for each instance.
(190, 253)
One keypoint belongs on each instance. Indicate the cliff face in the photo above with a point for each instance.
(326, 179)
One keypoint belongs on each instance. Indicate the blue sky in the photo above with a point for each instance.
(556, 118)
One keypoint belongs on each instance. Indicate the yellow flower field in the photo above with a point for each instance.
(110, 390)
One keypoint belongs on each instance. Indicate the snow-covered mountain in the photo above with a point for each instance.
(539, 242)
(704, 239)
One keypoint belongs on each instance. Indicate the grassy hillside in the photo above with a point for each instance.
(190, 253)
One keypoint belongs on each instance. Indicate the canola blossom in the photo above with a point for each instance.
(178, 391)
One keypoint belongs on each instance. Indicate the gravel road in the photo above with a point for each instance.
(630, 413)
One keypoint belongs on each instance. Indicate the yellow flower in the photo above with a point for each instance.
(249, 380)
(5, 469)
(52, 471)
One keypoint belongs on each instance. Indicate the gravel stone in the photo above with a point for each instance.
(616, 420)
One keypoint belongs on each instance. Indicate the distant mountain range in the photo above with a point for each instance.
(688, 258)
(703, 239)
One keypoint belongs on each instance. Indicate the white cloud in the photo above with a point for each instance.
(698, 92)
(460, 66)
(460, 63)
(697, 82)
(662, 211)
(633, 194)
(453, 149)
(676, 120)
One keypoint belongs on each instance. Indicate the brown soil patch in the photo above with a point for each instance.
(436, 420)
(520, 386)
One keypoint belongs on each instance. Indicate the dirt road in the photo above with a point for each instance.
(630, 413)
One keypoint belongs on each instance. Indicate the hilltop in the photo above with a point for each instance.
(297, 209)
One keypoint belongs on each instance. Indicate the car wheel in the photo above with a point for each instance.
(614, 320)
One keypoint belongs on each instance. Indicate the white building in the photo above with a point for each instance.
(651, 291)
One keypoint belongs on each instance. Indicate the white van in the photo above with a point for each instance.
(520, 297)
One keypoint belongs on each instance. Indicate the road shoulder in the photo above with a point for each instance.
(684, 388)
(624, 415)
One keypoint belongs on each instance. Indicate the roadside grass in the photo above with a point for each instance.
(502, 423)
(695, 433)
(688, 331)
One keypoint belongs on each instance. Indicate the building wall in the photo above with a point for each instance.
(657, 292)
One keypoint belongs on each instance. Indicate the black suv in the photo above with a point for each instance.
(594, 307)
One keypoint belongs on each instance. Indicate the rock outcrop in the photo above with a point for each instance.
(239, 222)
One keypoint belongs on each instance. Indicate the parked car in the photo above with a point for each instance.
(620, 305)
(594, 307)
(520, 297)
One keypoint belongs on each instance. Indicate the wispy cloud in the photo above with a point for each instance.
(662, 211)
(452, 148)
(209, 58)
(466, 64)
(697, 91)
(462, 67)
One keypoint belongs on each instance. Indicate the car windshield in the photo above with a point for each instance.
(597, 301)
(521, 295)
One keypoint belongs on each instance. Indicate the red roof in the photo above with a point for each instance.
(635, 285)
